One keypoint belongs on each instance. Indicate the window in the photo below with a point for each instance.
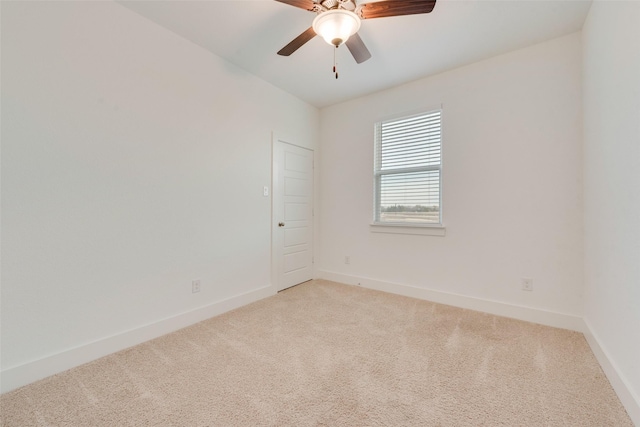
(407, 170)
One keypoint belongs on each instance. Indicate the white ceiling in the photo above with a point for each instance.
(248, 33)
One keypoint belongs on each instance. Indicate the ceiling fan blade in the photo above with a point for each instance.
(385, 8)
(302, 4)
(358, 49)
(296, 43)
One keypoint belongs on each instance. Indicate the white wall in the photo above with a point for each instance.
(512, 177)
(133, 161)
(611, 38)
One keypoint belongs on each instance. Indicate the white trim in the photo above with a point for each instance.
(629, 399)
(409, 113)
(419, 229)
(277, 210)
(378, 173)
(275, 180)
(18, 376)
(535, 315)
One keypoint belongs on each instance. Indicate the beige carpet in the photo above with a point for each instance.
(325, 354)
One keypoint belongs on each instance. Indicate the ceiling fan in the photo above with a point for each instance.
(338, 21)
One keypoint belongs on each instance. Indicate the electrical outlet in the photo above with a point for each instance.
(347, 259)
(195, 286)
(527, 284)
(265, 191)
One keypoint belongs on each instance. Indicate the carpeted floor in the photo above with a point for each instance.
(326, 354)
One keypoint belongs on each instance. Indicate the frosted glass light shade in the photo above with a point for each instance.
(336, 26)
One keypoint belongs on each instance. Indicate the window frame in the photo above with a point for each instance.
(431, 228)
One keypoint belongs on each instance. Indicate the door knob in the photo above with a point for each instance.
(281, 224)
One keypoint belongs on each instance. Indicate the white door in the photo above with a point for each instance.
(292, 214)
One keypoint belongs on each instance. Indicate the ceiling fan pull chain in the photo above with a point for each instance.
(335, 63)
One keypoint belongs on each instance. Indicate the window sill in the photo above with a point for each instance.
(422, 230)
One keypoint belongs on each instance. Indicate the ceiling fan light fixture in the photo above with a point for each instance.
(335, 26)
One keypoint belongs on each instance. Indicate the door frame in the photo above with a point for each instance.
(275, 181)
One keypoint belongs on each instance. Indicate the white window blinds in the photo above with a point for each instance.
(407, 170)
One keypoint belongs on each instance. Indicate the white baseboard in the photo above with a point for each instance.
(543, 317)
(18, 376)
(625, 393)
(629, 399)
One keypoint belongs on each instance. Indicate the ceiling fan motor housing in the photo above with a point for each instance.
(338, 21)
(336, 25)
(323, 6)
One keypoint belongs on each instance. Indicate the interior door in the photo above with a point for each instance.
(292, 214)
